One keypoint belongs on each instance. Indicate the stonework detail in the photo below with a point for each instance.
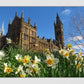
(25, 34)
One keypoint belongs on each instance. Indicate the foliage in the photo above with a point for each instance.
(16, 62)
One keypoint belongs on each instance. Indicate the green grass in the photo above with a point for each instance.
(63, 68)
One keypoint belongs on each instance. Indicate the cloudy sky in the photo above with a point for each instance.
(44, 17)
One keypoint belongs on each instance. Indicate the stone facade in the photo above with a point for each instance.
(59, 35)
(25, 34)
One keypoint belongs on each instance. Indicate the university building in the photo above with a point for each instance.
(25, 34)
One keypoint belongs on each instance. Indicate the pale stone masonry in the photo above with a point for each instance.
(25, 34)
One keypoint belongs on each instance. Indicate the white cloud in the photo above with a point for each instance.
(78, 47)
(75, 38)
(66, 11)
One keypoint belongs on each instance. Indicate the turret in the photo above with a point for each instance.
(29, 21)
(16, 14)
(2, 29)
(22, 16)
(9, 29)
(35, 25)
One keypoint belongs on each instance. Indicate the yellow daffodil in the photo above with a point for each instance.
(26, 59)
(9, 70)
(22, 74)
(69, 45)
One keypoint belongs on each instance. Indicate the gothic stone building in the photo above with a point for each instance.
(25, 34)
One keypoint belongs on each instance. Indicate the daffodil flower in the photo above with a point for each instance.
(20, 68)
(36, 60)
(62, 51)
(2, 54)
(5, 67)
(51, 61)
(66, 54)
(36, 69)
(18, 57)
(22, 74)
(8, 40)
(69, 45)
(26, 59)
(80, 53)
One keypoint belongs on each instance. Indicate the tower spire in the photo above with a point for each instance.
(16, 14)
(2, 28)
(35, 25)
(29, 21)
(10, 21)
(22, 15)
(58, 20)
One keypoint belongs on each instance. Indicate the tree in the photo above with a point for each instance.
(77, 31)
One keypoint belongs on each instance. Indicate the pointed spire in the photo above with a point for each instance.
(29, 21)
(22, 15)
(58, 20)
(10, 21)
(2, 28)
(54, 22)
(35, 25)
(16, 14)
(57, 15)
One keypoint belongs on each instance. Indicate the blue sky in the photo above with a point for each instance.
(44, 17)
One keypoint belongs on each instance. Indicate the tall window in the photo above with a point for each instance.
(26, 29)
(51, 46)
(33, 39)
(25, 46)
(25, 37)
(32, 33)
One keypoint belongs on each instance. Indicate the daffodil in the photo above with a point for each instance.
(69, 45)
(9, 70)
(22, 74)
(20, 68)
(36, 69)
(5, 67)
(46, 49)
(47, 52)
(2, 54)
(26, 59)
(62, 51)
(18, 57)
(36, 60)
(79, 66)
(72, 51)
(51, 61)
(80, 53)
(66, 54)
(8, 40)
(81, 59)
